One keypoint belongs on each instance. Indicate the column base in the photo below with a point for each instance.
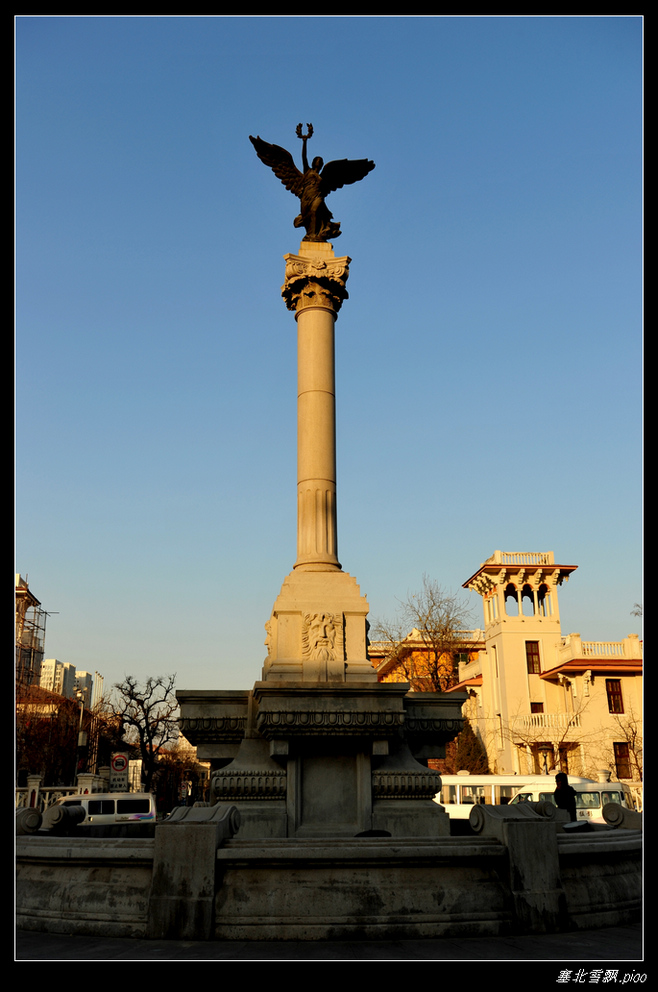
(318, 631)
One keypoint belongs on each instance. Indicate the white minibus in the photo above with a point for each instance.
(103, 808)
(459, 793)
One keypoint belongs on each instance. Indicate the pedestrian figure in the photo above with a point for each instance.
(565, 795)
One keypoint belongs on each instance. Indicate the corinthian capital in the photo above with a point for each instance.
(315, 281)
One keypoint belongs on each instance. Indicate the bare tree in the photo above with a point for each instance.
(549, 738)
(565, 735)
(422, 643)
(148, 712)
(180, 773)
(47, 727)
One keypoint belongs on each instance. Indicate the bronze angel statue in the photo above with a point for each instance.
(312, 185)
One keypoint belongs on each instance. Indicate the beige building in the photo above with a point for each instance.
(540, 701)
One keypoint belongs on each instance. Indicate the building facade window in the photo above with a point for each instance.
(622, 761)
(532, 657)
(615, 699)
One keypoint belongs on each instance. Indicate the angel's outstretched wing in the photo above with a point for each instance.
(344, 171)
(281, 163)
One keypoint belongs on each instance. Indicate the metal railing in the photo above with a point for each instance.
(46, 795)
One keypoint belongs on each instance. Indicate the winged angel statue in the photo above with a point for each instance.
(312, 185)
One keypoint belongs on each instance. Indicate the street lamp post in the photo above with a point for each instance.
(81, 752)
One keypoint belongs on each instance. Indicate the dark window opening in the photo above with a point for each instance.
(532, 657)
(615, 700)
(622, 761)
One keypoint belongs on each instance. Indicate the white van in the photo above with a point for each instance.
(591, 796)
(102, 808)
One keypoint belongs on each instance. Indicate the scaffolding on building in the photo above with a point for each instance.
(30, 635)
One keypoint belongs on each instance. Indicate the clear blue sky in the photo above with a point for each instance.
(489, 359)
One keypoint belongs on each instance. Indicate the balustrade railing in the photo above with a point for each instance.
(547, 721)
(598, 649)
(523, 557)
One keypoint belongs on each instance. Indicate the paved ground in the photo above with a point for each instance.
(613, 948)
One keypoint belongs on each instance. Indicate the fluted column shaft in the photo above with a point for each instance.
(317, 538)
(315, 289)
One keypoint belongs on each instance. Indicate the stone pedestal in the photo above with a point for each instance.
(325, 759)
(318, 630)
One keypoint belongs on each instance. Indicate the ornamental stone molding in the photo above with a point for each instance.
(315, 279)
(249, 784)
(204, 730)
(252, 775)
(431, 720)
(310, 722)
(402, 784)
(213, 718)
(297, 710)
(431, 727)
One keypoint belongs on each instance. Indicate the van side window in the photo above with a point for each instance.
(132, 806)
(98, 806)
(585, 799)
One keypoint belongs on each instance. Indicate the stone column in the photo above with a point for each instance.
(314, 289)
(317, 631)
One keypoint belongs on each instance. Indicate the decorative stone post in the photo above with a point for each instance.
(33, 785)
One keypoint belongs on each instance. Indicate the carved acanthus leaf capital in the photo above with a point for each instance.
(315, 282)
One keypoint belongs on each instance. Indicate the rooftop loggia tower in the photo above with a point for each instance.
(522, 633)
